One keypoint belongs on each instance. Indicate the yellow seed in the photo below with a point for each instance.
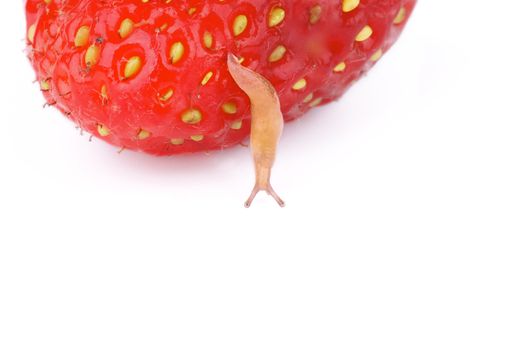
(400, 17)
(208, 40)
(364, 34)
(92, 55)
(45, 85)
(126, 27)
(103, 130)
(316, 102)
(207, 77)
(177, 142)
(237, 125)
(197, 138)
(276, 16)
(277, 54)
(191, 116)
(340, 67)
(350, 5)
(377, 55)
(166, 95)
(31, 33)
(82, 36)
(229, 108)
(308, 98)
(132, 66)
(104, 93)
(143, 134)
(191, 11)
(300, 84)
(176, 52)
(315, 14)
(240, 24)
(47, 2)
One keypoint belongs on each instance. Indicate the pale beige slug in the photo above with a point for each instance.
(266, 124)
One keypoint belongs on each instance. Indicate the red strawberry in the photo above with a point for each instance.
(151, 75)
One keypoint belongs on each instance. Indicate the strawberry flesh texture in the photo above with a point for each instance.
(136, 111)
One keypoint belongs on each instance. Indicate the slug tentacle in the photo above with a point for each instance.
(266, 124)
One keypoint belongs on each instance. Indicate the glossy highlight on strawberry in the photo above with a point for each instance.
(151, 75)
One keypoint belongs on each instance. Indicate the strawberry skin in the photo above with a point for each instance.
(151, 75)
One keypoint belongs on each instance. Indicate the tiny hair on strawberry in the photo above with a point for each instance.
(167, 77)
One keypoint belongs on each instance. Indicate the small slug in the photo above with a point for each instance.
(266, 124)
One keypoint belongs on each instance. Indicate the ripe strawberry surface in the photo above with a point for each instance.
(152, 76)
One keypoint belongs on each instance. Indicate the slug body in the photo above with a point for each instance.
(267, 123)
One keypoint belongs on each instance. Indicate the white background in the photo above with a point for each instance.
(405, 228)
